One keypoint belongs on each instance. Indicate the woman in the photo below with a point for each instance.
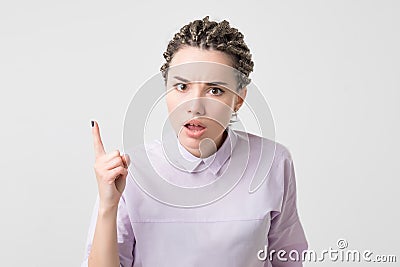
(129, 227)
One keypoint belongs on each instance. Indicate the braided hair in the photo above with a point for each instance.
(207, 34)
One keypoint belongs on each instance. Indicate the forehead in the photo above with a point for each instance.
(200, 65)
(187, 54)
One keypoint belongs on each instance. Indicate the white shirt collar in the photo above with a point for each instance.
(215, 161)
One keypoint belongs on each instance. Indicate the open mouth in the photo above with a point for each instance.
(194, 129)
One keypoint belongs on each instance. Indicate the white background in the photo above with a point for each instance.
(329, 69)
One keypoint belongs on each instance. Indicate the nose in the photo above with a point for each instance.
(196, 105)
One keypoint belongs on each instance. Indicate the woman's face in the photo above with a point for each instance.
(201, 98)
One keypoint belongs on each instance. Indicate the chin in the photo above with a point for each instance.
(189, 142)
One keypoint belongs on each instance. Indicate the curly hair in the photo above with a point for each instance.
(207, 34)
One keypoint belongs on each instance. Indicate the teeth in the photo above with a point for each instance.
(192, 124)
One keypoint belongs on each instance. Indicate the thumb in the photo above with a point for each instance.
(120, 183)
(126, 160)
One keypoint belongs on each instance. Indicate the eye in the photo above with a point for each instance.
(180, 86)
(216, 91)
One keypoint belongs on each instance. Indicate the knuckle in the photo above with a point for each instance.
(115, 162)
(120, 169)
(118, 160)
(100, 159)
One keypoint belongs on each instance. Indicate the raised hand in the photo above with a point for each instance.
(111, 171)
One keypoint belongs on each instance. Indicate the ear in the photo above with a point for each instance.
(240, 98)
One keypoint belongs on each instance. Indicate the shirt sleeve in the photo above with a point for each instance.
(125, 235)
(286, 236)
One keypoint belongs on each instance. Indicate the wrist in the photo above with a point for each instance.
(108, 210)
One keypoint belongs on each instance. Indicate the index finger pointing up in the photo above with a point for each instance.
(98, 144)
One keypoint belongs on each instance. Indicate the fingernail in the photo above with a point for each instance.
(92, 123)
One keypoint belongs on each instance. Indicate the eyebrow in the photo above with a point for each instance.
(209, 83)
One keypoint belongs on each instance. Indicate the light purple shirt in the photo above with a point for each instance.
(226, 233)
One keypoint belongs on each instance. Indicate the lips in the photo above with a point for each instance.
(194, 125)
(194, 128)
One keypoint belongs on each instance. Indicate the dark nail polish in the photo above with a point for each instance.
(92, 123)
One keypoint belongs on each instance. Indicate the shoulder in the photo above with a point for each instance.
(279, 151)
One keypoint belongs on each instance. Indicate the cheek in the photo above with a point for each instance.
(220, 112)
(231, 100)
(172, 102)
(175, 114)
(169, 105)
